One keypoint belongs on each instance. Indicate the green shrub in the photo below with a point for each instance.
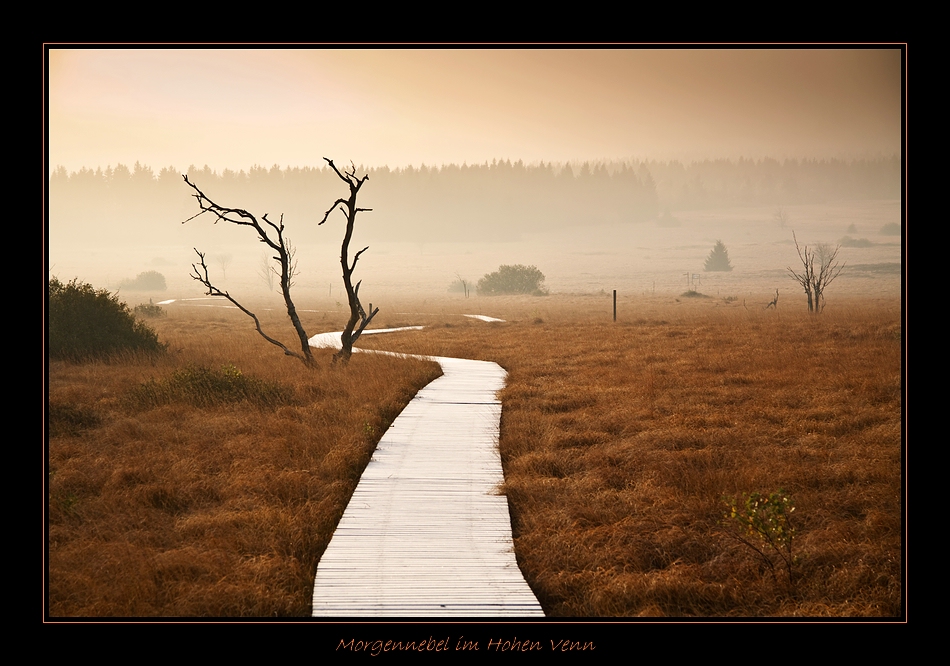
(515, 279)
(149, 310)
(201, 386)
(147, 281)
(85, 322)
(764, 524)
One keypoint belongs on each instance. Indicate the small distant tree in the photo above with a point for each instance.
(820, 267)
(781, 217)
(266, 271)
(224, 261)
(460, 286)
(718, 259)
(516, 279)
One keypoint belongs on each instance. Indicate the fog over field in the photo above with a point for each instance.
(605, 168)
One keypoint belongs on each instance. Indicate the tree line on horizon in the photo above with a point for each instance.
(487, 202)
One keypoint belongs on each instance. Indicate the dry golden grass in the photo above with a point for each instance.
(620, 441)
(183, 510)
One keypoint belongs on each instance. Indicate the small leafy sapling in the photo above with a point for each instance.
(763, 523)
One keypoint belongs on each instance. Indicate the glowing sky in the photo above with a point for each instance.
(237, 108)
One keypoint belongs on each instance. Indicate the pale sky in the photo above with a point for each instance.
(235, 108)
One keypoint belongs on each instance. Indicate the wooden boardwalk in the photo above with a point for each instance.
(426, 533)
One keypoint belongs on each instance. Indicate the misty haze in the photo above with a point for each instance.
(638, 228)
(632, 239)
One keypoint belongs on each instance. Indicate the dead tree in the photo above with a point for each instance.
(266, 271)
(464, 283)
(781, 217)
(285, 257)
(358, 318)
(819, 269)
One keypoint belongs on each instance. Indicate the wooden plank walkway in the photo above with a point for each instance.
(426, 533)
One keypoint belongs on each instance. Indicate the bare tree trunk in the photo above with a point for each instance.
(358, 318)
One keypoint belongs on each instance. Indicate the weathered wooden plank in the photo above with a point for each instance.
(426, 533)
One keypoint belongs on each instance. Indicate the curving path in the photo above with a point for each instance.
(426, 532)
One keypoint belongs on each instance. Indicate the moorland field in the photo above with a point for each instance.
(172, 493)
(208, 482)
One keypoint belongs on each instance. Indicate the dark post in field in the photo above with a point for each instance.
(615, 305)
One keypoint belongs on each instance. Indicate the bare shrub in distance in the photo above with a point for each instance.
(820, 267)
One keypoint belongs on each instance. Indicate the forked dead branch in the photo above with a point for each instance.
(285, 258)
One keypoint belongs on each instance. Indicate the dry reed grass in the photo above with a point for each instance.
(620, 441)
(187, 506)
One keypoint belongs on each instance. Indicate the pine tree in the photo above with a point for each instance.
(718, 259)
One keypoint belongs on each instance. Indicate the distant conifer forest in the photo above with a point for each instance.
(480, 202)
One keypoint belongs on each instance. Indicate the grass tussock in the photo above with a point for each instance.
(201, 386)
(207, 483)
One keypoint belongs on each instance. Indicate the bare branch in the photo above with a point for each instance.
(348, 177)
(356, 258)
(278, 228)
(201, 275)
(221, 213)
(327, 214)
(284, 257)
(364, 324)
(333, 166)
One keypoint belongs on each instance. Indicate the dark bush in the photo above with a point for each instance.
(667, 220)
(147, 281)
(847, 241)
(515, 279)
(149, 310)
(88, 323)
